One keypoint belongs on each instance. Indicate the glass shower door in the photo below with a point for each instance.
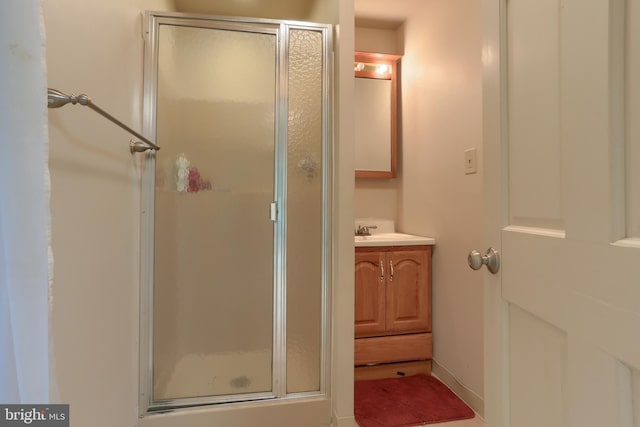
(235, 246)
(214, 239)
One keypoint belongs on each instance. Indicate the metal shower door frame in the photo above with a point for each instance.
(280, 29)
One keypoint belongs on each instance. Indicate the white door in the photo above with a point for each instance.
(562, 182)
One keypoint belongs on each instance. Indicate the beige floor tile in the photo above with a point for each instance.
(473, 422)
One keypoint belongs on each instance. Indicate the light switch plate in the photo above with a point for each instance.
(470, 162)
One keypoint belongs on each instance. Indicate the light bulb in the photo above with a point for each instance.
(382, 69)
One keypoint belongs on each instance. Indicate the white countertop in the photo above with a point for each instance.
(392, 239)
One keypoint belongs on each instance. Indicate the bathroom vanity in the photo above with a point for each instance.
(392, 305)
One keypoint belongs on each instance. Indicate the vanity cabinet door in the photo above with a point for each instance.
(370, 293)
(408, 296)
(392, 310)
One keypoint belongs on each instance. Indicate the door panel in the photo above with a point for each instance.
(562, 316)
(612, 398)
(535, 197)
(408, 283)
(369, 293)
(632, 127)
(592, 119)
(635, 396)
(537, 371)
(305, 213)
(215, 181)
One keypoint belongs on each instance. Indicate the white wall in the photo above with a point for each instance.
(343, 255)
(441, 117)
(96, 47)
(379, 40)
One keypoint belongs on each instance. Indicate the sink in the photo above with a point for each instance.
(393, 239)
(383, 233)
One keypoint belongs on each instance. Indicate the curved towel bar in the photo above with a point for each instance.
(57, 99)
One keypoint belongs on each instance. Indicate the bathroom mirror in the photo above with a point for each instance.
(376, 85)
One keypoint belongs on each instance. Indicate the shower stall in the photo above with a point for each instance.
(235, 230)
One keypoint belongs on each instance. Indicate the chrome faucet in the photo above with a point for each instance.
(363, 230)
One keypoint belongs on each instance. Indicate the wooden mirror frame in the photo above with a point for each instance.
(371, 61)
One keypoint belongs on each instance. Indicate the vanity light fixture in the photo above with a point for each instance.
(375, 68)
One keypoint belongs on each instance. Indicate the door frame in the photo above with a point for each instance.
(494, 101)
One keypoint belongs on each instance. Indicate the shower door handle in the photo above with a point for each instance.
(491, 259)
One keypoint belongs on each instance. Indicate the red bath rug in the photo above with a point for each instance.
(406, 402)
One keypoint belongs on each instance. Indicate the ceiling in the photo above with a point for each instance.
(272, 9)
(369, 13)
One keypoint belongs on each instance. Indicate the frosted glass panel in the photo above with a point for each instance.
(214, 240)
(304, 214)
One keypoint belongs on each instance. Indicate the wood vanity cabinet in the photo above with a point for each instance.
(392, 310)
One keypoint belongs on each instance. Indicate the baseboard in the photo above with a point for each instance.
(470, 397)
(343, 421)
